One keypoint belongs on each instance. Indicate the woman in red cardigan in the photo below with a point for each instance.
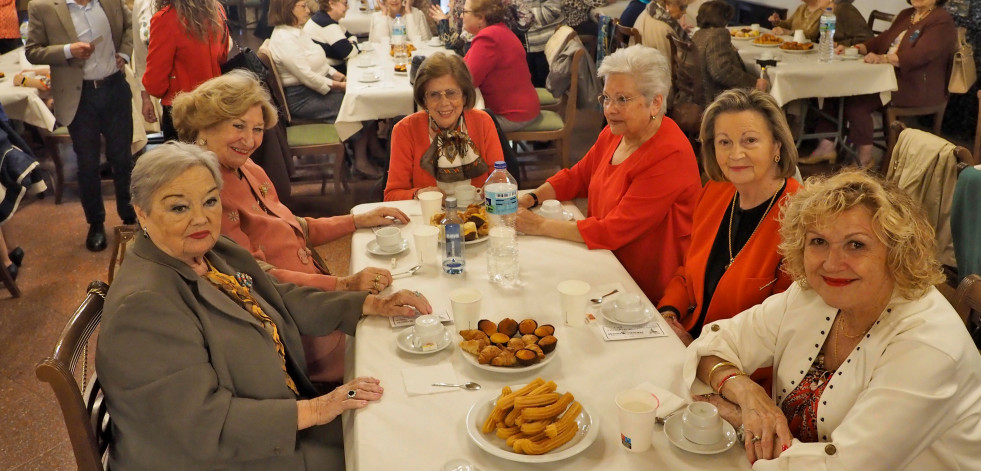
(228, 115)
(640, 177)
(920, 44)
(732, 264)
(449, 143)
(188, 44)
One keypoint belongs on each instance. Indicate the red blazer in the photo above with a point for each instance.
(176, 61)
(924, 64)
(497, 63)
(410, 139)
(276, 238)
(753, 276)
(640, 209)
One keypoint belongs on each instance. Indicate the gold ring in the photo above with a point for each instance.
(375, 285)
(756, 439)
(377, 277)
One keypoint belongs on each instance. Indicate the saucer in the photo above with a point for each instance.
(843, 57)
(404, 341)
(435, 42)
(609, 313)
(375, 249)
(672, 429)
(369, 77)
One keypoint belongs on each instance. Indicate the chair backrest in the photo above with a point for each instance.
(83, 408)
(572, 95)
(967, 302)
(686, 79)
(124, 235)
(274, 82)
(963, 154)
(622, 36)
(881, 16)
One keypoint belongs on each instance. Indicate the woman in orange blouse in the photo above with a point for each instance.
(641, 176)
(733, 264)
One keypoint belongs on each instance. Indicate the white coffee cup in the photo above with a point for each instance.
(766, 56)
(851, 51)
(467, 195)
(366, 46)
(427, 243)
(701, 423)
(431, 203)
(755, 27)
(799, 36)
(552, 209)
(637, 410)
(389, 238)
(572, 297)
(465, 303)
(427, 332)
(628, 307)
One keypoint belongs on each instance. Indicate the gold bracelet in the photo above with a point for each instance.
(669, 315)
(720, 365)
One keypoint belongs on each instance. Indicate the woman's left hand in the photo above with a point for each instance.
(529, 222)
(766, 428)
(371, 279)
(383, 216)
(437, 13)
(400, 303)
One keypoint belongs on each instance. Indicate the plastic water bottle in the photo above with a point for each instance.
(24, 28)
(501, 202)
(826, 46)
(401, 51)
(453, 261)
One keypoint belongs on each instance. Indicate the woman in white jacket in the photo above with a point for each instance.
(873, 369)
(416, 27)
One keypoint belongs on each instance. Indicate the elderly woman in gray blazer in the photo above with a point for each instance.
(199, 353)
(722, 68)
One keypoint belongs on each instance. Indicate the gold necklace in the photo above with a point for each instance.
(841, 331)
(917, 17)
(732, 215)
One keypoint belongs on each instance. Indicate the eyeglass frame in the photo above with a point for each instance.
(619, 102)
(437, 96)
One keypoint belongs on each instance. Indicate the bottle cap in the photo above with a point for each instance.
(450, 201)
(500, 164)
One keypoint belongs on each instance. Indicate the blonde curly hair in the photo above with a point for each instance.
(898, 222)
(220, 99)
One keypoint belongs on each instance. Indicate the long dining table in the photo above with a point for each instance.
(423, 432)
(22, 103)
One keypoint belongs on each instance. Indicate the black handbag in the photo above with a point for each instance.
(246, 59)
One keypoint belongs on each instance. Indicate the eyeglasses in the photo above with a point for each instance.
(467, 11)
(452, 94)
(619, 101)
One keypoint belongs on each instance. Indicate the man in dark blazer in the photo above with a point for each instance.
(87, 43)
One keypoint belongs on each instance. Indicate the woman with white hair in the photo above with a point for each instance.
(640, 176)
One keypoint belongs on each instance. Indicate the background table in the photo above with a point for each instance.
(423, 432)
(22, 103)
(357, 22)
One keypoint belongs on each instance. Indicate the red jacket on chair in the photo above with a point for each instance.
(176, 61)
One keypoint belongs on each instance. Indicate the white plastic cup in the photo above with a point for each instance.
(701, 423)
(851, 51)
(388, 238)
(426, 332)
(755, 27)
(799, 36)
(572, 297)
(431, 203)
(427, 243)
(637, 410)
(465, 303)
(552, 209)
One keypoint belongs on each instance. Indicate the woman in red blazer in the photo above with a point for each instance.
(188, 44)
(449, 143)
(732, 263)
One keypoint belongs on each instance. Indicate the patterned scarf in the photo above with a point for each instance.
(457, 149)
(237, 288)
(660, 12)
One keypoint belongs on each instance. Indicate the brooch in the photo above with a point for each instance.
(264, 189)
(244, 279)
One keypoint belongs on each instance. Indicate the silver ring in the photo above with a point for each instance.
(418, 294)
(352, 394)
(754, 439)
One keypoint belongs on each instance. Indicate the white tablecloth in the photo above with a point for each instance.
(356, 21)
(22, 103)
(424, 432)
(799, 76)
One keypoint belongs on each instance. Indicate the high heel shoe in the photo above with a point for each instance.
(815, 159)
(16, 255)
(12, 270)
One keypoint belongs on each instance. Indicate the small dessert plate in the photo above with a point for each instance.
(404, 341)
(373, 248)
(609, 313)
(672, 429)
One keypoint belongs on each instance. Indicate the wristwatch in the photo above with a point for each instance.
(534, 197)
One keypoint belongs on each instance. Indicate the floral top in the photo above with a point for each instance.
(801, 404)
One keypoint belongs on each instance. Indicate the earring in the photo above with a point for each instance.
(776, 158)
(652, 117)
(202, 142)
(145, 234)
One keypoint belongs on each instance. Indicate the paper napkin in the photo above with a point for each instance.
(670, 402)
(419, 381)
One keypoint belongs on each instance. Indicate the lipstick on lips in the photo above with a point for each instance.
(836, 282)
(200, 235)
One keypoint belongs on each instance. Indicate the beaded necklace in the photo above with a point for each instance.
(732, 215)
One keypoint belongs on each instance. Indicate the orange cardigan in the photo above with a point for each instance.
(753, 276)
(410, 139)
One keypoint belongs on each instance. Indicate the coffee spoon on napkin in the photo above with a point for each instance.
(471, 386)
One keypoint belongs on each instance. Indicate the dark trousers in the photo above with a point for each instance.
(538, 66)
(858, 114)
(106, 111)
(167, 124)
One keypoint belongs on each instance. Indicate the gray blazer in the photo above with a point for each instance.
(192, 380)
(722, 68)
(51, 28)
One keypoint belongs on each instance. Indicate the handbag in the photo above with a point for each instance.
(248, 60)
(964, 72)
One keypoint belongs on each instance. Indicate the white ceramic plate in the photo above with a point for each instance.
(843, 57)
(373, 248)
(795, 51)
(508, 369)
(588, 431)
(404, 341)
(369, 77)
(766, 45)
(672, 428)
(477, 240)
(610, 315)
(435, 42)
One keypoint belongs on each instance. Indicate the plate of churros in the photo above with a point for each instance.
(548, 425)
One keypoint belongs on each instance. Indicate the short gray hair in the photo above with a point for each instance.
(649, 68)
(163, 164)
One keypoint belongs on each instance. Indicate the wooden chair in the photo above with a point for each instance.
(553, 127)
(880, 16)
(122, 241)
(892, 113)
(9, 283)
(548, 102)
(688, 81)
(622, 36)
(967, 303)
(306, 137)
(896, 127)
(52, 140)
(76, 385)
